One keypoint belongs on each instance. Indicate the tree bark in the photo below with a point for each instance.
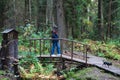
(2, 15)
(109, 20)
(10, 21)
(61, 19)
(100, 20)
(49, 13)
(14, 9)
(30, 10)
(27, 11)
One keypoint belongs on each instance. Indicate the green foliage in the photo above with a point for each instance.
(101, 54)
(2, 72)
(48, 69)
(3, 75)
(79, 75)
(28, 60)
(4, 79)
(30, 66)
(30, 32)
(109, 49)
(85, 19)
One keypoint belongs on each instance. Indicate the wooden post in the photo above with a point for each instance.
(86, 55)
(43, 46)
(63, 64)
(61, 49)
(50, 50)
(30, 45)
(72, 51)
(40, 48)
(34, 46)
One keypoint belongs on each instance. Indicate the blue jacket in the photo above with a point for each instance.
(54, 36)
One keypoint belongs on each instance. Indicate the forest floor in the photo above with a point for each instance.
(4, 77)
(92, 73)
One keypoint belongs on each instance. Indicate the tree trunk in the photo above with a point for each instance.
(61, 19)
(30, 10)
(14, 9)
(2, 10)
(74, 26)
(49, 13)
(100, 20)
(27, 11)
(109, 20)
(41, 16)
(19, 12)
(10, 21)
(38, 15)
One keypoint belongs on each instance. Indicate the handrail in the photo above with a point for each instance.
(70, 44)
(57, 39)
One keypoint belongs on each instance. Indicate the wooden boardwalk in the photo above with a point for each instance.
(68, 48)
(98, 62)
(64, 57)
(92, 60)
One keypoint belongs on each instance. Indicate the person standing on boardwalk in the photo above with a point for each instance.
(55, 41)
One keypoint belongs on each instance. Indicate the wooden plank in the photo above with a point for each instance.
(48, 56)
(63, 56)
(98, 62)
(74, 59)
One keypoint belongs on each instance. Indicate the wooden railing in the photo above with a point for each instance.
(68, 47)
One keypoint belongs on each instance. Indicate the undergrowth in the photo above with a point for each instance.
(30, 67)
(109, 49)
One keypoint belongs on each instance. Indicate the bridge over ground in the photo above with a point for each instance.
(71, 51)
